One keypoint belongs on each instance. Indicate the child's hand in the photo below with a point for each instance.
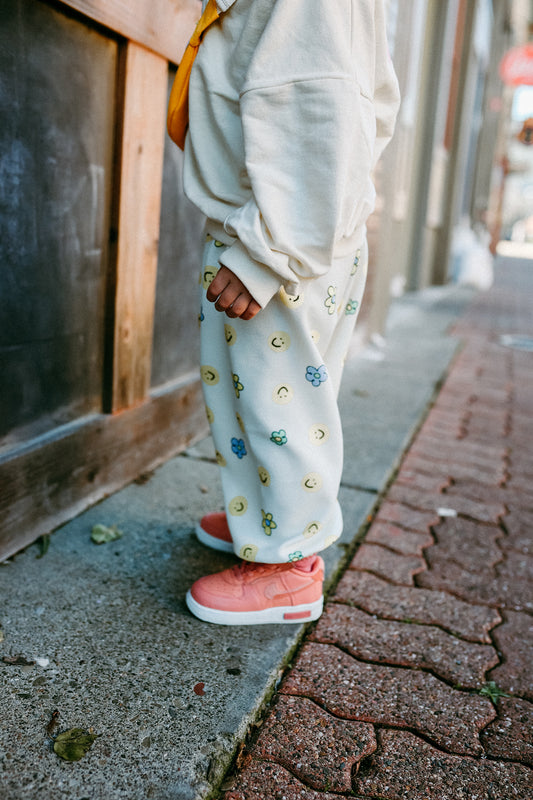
(229, 294)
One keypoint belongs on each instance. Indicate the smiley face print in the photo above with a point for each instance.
(283, 394)
(208, 276)
(291, 300)
(312, 529)
(279, 341)
(209, 375)
(264, 476)
(318, 434)
(230, 334)
(312, 482)
(249, 552)
(238, 506)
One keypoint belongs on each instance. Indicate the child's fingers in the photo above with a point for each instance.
(229, 294)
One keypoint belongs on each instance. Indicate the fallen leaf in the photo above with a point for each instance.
(52, 725)
(101, 534)
(17, 661)
(73, 744)
(44, 543)
(199, 689)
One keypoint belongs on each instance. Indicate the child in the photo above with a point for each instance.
(291, 102)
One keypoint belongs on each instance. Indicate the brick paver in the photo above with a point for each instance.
(514, 639)
(405, 644)
(319, 749)
(406, 767)
(351, 689)
(424, 606)
(416, 683)
(510, 736)
(407, 543)
(393, 566)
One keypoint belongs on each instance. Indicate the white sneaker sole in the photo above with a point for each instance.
(276, 615)
(212, 541)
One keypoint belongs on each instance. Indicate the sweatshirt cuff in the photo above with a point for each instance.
(260, 281)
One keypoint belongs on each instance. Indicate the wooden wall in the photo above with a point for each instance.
(99, 252)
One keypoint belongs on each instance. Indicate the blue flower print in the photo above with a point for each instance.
(316, 375)
(297, 556)
(237, 445)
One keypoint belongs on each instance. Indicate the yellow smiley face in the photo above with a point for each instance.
(329, 540)
(231, 334)
(312, 529)
(208, 276)
(209, 375)
(282, 394)
(221, 461)
(240, 422)
(318, 434)
(291, 300)
(249, 552)
(315, 336)
(209, 414)
(312, 482)
(238, 506)
(279, 341)
(264, 476)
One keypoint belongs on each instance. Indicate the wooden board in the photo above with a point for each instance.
(141, 172)
(164, 26)
(61, 474)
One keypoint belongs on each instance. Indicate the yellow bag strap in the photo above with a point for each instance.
(178, 106)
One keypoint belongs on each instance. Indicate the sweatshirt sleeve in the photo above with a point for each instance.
(309, 129)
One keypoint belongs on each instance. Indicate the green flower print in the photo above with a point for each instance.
(237, 385)
(297, 556)
(351, 307)
(278, 437)
(331, 300)
(268, 523)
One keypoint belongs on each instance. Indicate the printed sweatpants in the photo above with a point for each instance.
(270, 386)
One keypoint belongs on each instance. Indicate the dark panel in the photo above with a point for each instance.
(57, 88)
(175, 346)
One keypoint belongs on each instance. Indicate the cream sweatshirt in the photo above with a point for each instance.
(291, 104)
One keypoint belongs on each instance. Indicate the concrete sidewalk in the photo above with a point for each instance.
(101, 633)
(416, 682)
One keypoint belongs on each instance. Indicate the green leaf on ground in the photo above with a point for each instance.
(102, 533)
(73, 744)
(43, 543)
(492, 691)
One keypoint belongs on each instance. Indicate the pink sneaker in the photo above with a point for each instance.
(252, 594)
(213, 531)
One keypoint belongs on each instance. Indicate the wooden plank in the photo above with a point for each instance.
(141, 174)
(46, 482)
(163, 26)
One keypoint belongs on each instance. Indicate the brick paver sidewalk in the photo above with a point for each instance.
(416, 682)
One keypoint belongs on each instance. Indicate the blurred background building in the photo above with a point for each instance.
(99, 249)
